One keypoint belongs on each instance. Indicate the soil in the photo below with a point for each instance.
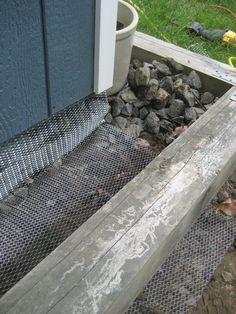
(156, 145)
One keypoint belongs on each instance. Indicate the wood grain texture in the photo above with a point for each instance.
(69, 30)
(110, 258)
(23, 99)
(107, 261)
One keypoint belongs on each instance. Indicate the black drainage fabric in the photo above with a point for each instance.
(63, 198)
(179, 283)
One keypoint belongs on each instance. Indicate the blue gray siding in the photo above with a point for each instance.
(69, 29)
(46, 59)
(23, 100)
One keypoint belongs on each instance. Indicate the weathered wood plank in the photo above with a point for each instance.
(134, 219)
(23, 100)
(104, 264)
(148, 48)
(69, 31)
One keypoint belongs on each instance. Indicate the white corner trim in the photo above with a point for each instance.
(105, 40)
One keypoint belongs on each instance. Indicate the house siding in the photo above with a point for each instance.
(46, 59)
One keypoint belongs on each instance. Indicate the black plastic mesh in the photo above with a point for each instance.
(179, 283)
(41, 145)
(62, 198)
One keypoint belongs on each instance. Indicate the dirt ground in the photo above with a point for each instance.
(220, 295)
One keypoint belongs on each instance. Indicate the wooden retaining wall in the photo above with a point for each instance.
(105, 264)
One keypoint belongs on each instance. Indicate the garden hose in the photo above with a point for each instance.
(232, 61)
(227, 36)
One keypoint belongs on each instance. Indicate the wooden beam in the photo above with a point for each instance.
(104, 265)
(107, 261)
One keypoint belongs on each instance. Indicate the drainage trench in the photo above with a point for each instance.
(39, 217)
(64, 197)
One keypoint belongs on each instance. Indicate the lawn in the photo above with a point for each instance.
(168, 19)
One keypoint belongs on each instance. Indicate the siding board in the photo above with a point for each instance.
(69, 31)
(23, 100)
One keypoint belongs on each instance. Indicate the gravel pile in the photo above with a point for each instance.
(159, 101)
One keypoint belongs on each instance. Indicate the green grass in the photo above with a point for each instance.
(167, 20)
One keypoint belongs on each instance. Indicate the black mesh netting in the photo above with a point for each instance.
(179, 283)
(63, 197)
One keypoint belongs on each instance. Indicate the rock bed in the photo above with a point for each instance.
(159, 101)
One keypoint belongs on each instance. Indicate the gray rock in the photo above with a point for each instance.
(176, 108)
(11, 198)
(166, 126)
(152, 123)
(162, 99)
(153, 82)
(120, 122)
(207, 98)
(142, 76)
(128, 95)
(143, 112)
(173, 65)
(127, 110)
(29, 180)
(22, 192)
(108, 118)
(154, 74)
(177, 76)
(184, 77)
(190, 114)
(117, 107)
(194, 80)
(142, 142)
(137, 63)
(167, 84)
(135, 112)
(199, 111)
(141, 92)
(140, 103)
(184, 93)
(177, 83)
(137, 121)
(181, 76)
(151, 91)
(133, 130)
(149, 65)
(163, 113)
(162, 68)
(131, 78)
(57, 163)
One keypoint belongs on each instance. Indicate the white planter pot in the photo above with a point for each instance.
(127, 16)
